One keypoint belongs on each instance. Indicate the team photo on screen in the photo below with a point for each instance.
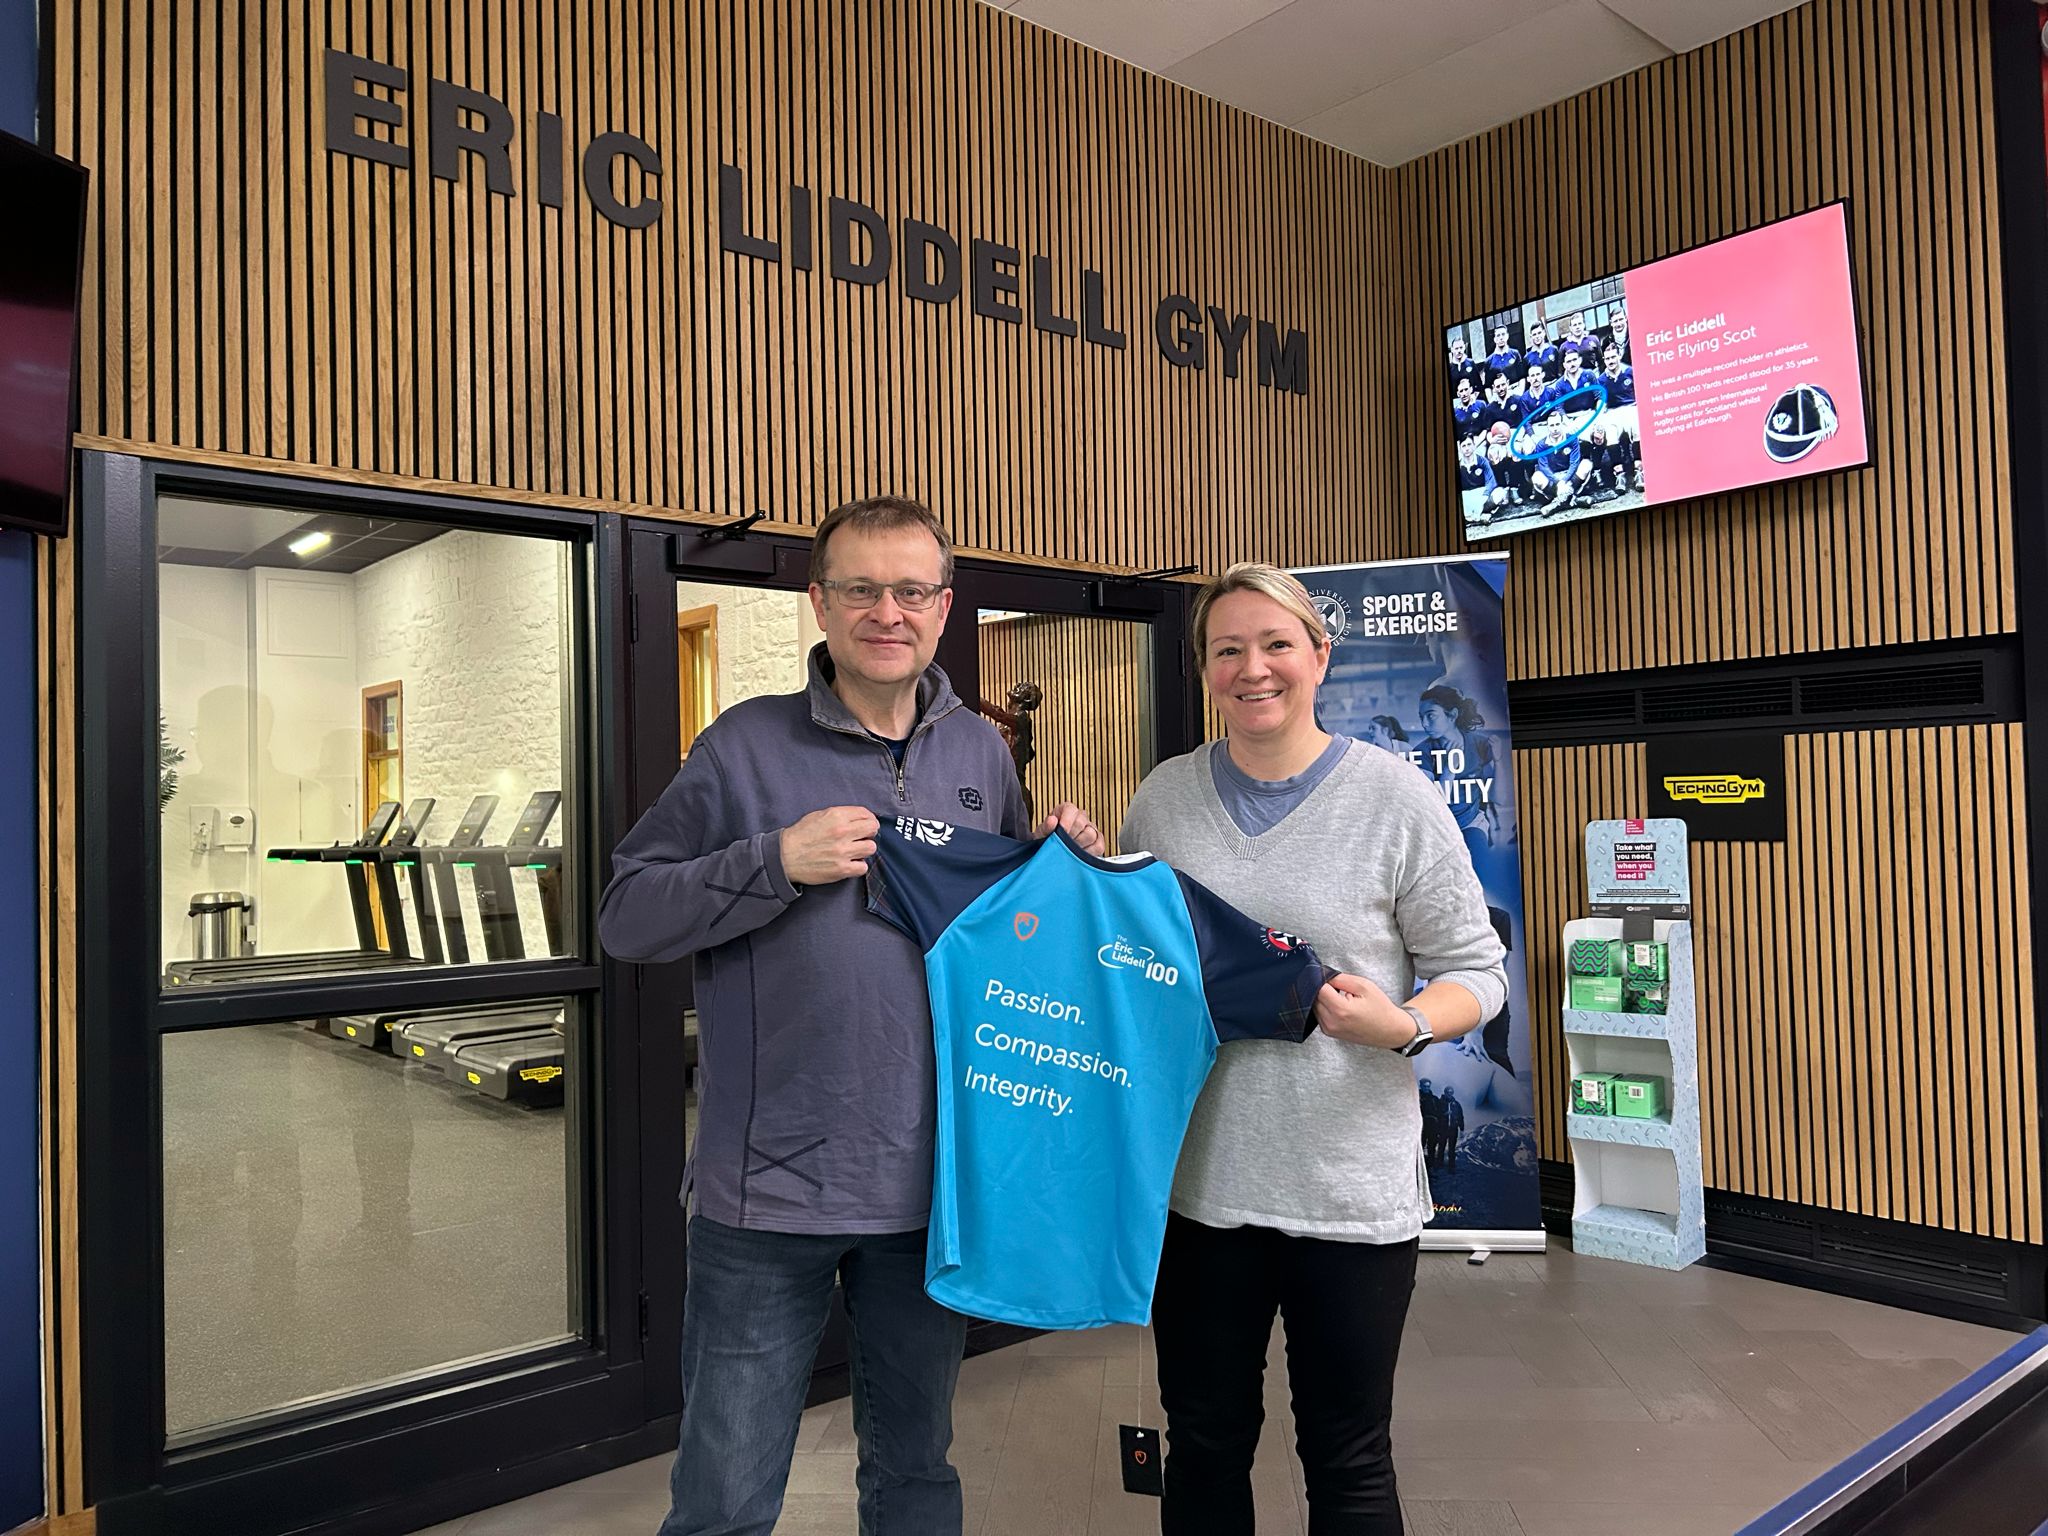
(1543, 407)
(1732, 364)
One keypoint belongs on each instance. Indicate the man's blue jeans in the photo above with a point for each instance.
(753, 1312)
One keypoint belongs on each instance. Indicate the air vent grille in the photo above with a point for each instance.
(1894, 1255)
(1733, 699)
(1955, 687)
(1946, 686)
(1596, 707)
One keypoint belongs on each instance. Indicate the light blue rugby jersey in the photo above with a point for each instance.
(1077, 1004)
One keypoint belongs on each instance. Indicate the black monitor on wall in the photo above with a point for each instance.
(1733, 364)
(40, 264)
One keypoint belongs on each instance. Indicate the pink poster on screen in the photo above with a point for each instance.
(1732, 365)
(1746, 365)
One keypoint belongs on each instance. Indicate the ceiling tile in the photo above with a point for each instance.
(1685, 24)
(220, 526)
(1315, 54)
(1146, 33)
(1538, 61)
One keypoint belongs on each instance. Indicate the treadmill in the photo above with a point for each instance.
(443, 932)
(404, 853)
(380, 1031)
(497, 898)
(364, 853)
(521, 1060)
(442, 894)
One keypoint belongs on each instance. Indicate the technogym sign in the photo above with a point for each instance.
(861, 245)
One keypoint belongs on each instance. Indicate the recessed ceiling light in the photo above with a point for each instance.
(306, 543)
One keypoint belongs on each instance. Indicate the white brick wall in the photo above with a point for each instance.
(472, 624)
(763, 637)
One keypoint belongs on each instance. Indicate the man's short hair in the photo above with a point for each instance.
(881, 514)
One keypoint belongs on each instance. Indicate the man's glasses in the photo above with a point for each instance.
(911, 596)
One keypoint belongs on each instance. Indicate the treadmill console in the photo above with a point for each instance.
(535, 819)
(470, 831)
(412, 823)
(379, 826)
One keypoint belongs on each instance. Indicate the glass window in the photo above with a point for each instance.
(360, 1199)
(363, 734)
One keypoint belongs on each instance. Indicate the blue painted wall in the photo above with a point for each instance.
(21, 1310)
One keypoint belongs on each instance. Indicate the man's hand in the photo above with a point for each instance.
(1355, 1010)
(1070, 819)
(828, 845)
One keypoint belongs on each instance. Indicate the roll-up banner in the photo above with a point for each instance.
(1418, 668)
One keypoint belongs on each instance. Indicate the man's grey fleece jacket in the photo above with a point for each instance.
(815, 1087)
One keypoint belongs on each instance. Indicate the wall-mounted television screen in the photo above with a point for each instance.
(1730, 365)
(39, 274)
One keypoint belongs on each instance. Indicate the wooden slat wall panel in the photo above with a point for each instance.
(1088, 734)
(1885, 102)
(253, 293)
(57, 991)
(1866, 1003)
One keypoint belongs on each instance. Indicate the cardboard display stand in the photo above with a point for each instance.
(1634, 1120)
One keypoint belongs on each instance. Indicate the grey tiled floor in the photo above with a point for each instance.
(1537, 1396)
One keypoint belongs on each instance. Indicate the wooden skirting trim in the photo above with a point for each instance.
(85, 1523)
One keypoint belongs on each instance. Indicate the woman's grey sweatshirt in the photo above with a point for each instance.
(1324, 1139)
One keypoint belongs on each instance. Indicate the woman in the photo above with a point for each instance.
(1461, 762)
(1301, 1185)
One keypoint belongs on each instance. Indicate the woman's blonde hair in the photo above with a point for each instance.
(1267, 581)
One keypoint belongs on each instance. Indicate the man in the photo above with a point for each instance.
(1505, 413)
(1620, 428)
(1484, 497)
(1559, 472)
(1540, 353)
(1503, 361)
(1577, 340)
(1574, 386)
(1468, 410)
(813, 1157)
(1617, 334)
(1537, 391)
(1462, 368)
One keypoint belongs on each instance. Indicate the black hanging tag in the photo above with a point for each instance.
(1142, 1460)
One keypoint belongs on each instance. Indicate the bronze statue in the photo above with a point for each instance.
(1016, 727)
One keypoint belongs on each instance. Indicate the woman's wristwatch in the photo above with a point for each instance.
(1424, 1035)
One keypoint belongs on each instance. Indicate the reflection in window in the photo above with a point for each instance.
(372, 718)
(763, 640)
(354, 1200)
(696, 671)
(1089, 706)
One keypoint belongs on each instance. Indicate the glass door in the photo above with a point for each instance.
(711, 621)
(1086, 678)
(1086, 681)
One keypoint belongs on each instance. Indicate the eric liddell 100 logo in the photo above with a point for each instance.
(1120, 951)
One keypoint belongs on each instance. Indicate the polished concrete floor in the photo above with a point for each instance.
(1537, 1396)
(334, 1219)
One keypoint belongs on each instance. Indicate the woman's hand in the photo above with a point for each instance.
(1354, 1010)
(1071, 819)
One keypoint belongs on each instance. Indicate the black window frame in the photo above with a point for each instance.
(436, 1443)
